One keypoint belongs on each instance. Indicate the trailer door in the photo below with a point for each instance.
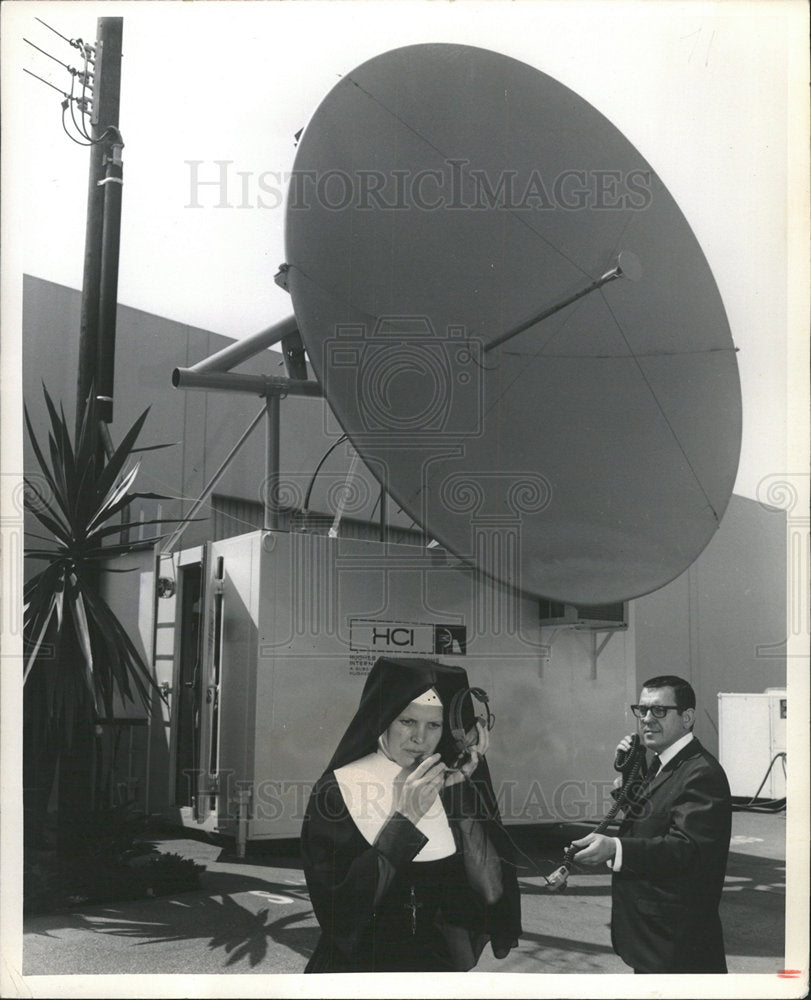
(210, 685)
(186, 702)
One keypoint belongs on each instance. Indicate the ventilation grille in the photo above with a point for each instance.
(602, 616)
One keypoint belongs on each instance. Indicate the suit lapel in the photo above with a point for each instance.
(692, 749)
(660, 779)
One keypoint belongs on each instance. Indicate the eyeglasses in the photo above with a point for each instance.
(658, 711)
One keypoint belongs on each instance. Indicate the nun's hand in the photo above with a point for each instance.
(478, 740)
(417, 792)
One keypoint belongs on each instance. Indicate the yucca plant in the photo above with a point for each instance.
(84, 492)
(78, 656)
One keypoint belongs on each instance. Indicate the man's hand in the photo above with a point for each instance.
(594, 849)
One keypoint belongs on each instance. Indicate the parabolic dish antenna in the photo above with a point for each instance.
(513, 323)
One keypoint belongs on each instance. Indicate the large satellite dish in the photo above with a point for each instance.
(513, 323)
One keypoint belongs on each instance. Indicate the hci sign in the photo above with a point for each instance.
(406, 637)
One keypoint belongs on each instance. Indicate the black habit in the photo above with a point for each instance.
(379, 910)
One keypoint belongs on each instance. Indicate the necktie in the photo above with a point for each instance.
(653, 770)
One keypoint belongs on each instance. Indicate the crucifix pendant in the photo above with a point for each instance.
(414, 905)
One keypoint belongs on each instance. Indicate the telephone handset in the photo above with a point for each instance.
(625, 759)
(629, 763)
(462, 741)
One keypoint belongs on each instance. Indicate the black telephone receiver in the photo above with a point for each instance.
(629, 762)
(460, 737)
(624, 760)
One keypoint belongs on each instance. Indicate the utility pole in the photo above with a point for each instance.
(102, 235)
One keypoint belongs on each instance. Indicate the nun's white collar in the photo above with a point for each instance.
(367, 787)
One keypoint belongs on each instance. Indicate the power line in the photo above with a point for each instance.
(70, 100)
(47, 84)
(75, 42)
(68, 40)
(70, 69)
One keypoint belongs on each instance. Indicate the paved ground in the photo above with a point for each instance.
(254, 916)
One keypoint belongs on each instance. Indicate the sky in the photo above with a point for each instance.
(703, 90)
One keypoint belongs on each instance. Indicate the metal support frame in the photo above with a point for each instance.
(597, 649)
(272, 462)
(170, 542)
(344, 494)
(242, 350)
(214, 373)
(594, 648)
(256, 385)
(383, 514)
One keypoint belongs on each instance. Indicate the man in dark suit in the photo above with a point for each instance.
(670, 856)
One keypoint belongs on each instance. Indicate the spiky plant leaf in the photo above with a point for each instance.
(78, 655)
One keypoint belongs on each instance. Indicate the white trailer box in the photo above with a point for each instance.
(269, 637)
(751, 734)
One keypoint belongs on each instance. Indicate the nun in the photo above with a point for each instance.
(408, 865)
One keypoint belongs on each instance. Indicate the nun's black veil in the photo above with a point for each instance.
(391, 685)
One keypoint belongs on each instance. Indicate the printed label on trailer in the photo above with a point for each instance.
(370, 639)
(391, 637)
(450, 639)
